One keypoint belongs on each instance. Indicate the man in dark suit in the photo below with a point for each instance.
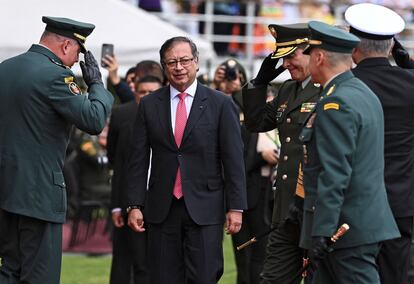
(129, 258)
(287, 112)
(197, 177)
(39, 102)
(394, 86)
(343, 166)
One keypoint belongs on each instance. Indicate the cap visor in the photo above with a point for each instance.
(283, 51)
(82, 46)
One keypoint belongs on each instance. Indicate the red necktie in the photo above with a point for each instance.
(180, 122)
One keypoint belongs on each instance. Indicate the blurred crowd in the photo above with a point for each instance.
(329, 11)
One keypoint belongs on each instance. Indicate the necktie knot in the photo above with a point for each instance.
(182, 96)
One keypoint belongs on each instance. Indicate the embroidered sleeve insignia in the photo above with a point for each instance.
(334, 106)
(74, 89)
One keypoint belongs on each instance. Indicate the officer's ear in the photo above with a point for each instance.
(66, 46)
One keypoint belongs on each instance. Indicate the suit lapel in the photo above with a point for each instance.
(197, 108)
(164, 113)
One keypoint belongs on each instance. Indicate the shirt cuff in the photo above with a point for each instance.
(117, 209)
(236, 210)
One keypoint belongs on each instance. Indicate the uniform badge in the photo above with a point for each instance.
(311, 120)
(281, 109)
(74, 89)
(334, 106)
(331, 90)
(307, 107)
(68, 80)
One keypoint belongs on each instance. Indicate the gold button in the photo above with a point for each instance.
(284, 177)
(285, 158)
(288, 120)
(287, 139)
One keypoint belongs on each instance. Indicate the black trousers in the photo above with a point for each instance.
(284, 257)
(249, 261)
(183, 252)
(30, 249)
(129, 257)
(394, 256)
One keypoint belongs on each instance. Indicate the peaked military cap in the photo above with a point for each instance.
(382, 23)
(69, 28)
(288, 38)
(331, 38)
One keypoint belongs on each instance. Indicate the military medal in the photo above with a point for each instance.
(307, 107)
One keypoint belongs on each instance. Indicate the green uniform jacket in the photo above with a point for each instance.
(287, 112)
(38, 106)
(344, 166)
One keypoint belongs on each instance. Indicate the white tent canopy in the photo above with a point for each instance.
(135, 34)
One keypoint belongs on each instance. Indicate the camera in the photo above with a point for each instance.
(231, 70)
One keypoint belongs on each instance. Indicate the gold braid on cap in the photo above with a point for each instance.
(314, 42)
(293, 42)
(81, 37)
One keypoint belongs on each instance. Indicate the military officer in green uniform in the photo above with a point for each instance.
(39, 102)
(287, 112)
(343, 166)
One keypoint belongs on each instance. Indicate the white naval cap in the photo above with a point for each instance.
(372, 21)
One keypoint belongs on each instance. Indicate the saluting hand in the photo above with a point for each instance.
(136, 220)
(268, 71)
(401, 56)
(90, 70)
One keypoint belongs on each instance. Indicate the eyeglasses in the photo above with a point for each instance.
(185, 62)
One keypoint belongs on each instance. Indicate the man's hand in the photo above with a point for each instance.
(136, 220)
(233, 222)
(112, 67)
(320, 248)
(219, 76)
(267, 71)
(90, 70)
(401, 56)
(117, 219)
(270, 156)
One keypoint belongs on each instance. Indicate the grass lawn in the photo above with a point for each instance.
(79, 269)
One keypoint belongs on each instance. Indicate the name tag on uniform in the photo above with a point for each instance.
(307, 107)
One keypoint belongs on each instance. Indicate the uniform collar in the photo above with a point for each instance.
(374, 61)
(45, 51)
(337, 79)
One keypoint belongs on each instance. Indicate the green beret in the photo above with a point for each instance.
(69, 28)
(288, 38)
(331, 38)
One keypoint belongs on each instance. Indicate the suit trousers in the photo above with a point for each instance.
(129, 257)
(183, 252)
(30, 249)
(349, 266)
(394, 256)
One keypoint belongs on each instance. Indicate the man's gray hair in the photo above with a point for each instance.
(334, 58)
(370, 46)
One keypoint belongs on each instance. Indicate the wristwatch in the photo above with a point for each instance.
(129, 208)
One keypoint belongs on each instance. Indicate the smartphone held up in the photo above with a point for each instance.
(107, 49)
